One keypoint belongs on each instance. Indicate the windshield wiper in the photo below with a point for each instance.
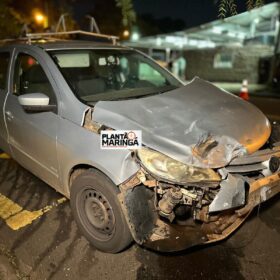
(171, 87)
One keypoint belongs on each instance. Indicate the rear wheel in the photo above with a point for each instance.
(98, 213)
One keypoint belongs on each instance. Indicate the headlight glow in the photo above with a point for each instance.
(172, 170)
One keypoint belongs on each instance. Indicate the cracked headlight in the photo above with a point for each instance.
(172, 170)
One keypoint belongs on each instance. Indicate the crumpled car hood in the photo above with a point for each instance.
(197, 124)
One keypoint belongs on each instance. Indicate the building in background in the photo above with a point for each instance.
(228, 50)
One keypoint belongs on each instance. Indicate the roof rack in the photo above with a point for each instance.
(32, 36)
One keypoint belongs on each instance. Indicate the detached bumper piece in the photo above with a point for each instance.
(231, 195)
(151, 230)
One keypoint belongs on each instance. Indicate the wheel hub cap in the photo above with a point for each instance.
(99, 212)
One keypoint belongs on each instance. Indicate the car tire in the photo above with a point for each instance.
(275, 134)
(98, 213)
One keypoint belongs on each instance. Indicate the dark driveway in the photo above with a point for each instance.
(266, 98)
(52, 248)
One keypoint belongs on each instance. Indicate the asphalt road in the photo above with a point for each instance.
(51, 247)
(265, 98)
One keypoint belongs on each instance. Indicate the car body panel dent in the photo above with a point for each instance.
(77, 145)
(197, 124)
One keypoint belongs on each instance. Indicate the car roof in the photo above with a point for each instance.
(56, 44)
(67, 44)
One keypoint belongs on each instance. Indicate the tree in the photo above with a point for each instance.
(113, 16)
(10, 20)
(108, 17)
(128, 13)
(229, 7)
(52, 9)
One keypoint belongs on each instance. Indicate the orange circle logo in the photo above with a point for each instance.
(131, 135)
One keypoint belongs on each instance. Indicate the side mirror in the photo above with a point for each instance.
(35, 102)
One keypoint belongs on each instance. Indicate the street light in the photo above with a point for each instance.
(135, 36)
(40, 19)
(126, 33)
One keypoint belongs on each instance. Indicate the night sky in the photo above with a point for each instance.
(192, 12)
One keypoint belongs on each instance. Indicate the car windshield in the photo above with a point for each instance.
(112, 74)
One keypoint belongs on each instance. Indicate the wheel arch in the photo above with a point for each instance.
(78, 169)
(118, 166)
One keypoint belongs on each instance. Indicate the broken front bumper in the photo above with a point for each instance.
(153, 232)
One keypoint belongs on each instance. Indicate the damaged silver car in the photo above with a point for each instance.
(207, 157)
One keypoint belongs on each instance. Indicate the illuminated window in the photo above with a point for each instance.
(223, 60)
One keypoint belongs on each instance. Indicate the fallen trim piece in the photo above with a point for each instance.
(259, 156)
(260, 191)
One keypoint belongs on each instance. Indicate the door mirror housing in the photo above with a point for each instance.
(35, 102)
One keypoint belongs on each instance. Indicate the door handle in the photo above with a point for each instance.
(9, 114)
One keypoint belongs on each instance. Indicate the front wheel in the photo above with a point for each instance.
(98, 213)
(275, 133)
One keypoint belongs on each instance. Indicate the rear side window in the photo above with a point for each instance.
(4, 63)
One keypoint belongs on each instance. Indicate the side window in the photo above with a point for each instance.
(4, 63)
(31, 78)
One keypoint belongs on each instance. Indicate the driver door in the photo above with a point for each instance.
(32, 136)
